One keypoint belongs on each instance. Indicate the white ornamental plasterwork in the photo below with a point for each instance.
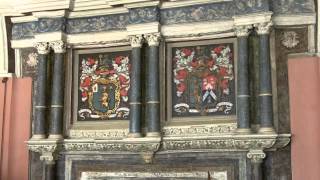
(254, 143)
(99, 134)
(47, 151)
(136, 41)
(256, 156)
(290, 39)
(243, 30)
(206, 130)
(58, 46)
(32, 59)
(153, 39)
(263, 28)
(42, 47)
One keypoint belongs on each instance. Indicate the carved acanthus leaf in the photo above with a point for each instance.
(42, 47)
(136, 41)
(58, 46)
(243, 30)
(153, 39)
(263, 28)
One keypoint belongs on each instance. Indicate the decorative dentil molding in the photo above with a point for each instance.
(153, 39)
(136, 41)
(256, 156)
(243, 30)
(58, 46)
(263, 28)
(42, 47)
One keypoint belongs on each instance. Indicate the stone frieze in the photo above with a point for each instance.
(24, 30)
(143, 15)
(46, 25)
(292, 6)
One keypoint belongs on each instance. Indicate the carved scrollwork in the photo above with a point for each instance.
(58, 46)
(42, 47)
(290, 39)
(136, 41)
(99, 134)
(263, 28)
(47, 150)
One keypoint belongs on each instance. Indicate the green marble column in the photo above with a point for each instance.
(265, 82)
(57, 91)
(40, 108)
(135, 87)
(153, 88)
(243, 93)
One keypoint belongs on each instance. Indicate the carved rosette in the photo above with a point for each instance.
(136, 41)
(42, 47)
(243, 30)
(256, 156)
(58, 46)
(263, 28)
(153, 39)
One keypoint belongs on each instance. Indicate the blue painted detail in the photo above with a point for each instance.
(144, 15)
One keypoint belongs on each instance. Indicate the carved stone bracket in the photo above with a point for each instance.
(263, 28)
(243, 30)
(42, 47)
(136, 41)
(58, 46)
(256, 156)
(153, 39)
(48, 149)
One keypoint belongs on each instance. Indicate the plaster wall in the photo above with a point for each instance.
(15, 109)
(304, 87)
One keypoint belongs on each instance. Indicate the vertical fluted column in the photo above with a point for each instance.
(153, 89)
(56, 109)
(265, 83)
(40, 92)
(256, 157)
(135, 87)
(243, 94)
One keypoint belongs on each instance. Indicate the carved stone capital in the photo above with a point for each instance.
(256, 156)
(47, 150)
(58, 46)
(243, 30)
(136, 41)
(153, 39)
(42, 47)
(263, 28)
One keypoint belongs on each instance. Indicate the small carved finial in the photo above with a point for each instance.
(263, 28)
(42, 47)
(136, 41)
(256, 156)
(243, 30)
(153, 39)
(58, 46)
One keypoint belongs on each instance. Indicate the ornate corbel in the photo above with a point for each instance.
(58, 46)
(242, 30)
(136, 41)
(153, 39)
(256, 156)
(42, 47)
(48, 150)
(263, 28)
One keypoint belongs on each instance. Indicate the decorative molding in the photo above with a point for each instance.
(194, 131)
(42, 47)
(46, 25)
(144, 15)
(251, 6)
(48, 149)
(263, 28)
(58, 46)
(153, 39)
(206, 12)
(97, 24)
(136, 41)
(99, 134)
(292, 6)
(25, 30)
(243, 30)
(256, 156)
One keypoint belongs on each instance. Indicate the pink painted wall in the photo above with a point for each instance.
(304, 85)
(15, 109)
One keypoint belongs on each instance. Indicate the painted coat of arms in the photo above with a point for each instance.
(203, 80)
(104, 83)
